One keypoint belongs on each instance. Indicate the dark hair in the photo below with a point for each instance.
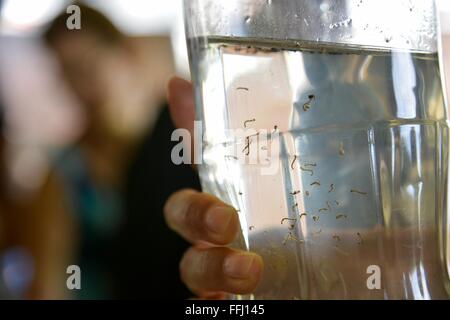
(92, 22)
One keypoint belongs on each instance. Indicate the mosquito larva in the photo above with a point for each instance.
(360, 238)
(340, 216)
(310, 165)
(331, 188)
(243, 88)
(304, 214)
(248, 121)
(288, 219)
(307, 170)
(315, 183)
(294, 193)
(307, 105)
(248, 141)
(275, 129)
(247, 146)
(293, 162)
(341, 149)
(290, 236)
(359, 192)
(316, 218)
(323, 209)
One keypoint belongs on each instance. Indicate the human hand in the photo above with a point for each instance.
(209, 268)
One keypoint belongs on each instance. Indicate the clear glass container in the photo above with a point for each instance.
(325, 125)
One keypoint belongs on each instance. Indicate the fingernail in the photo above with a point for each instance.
(218, 219)
(241, 266)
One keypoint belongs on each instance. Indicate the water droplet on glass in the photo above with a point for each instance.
(269, 2)
(248, 19)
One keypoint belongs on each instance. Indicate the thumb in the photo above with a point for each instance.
(181, 103)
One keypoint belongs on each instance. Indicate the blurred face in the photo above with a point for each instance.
(82, 59)
(106, 80)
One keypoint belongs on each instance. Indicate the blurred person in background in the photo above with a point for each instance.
(108, 230)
